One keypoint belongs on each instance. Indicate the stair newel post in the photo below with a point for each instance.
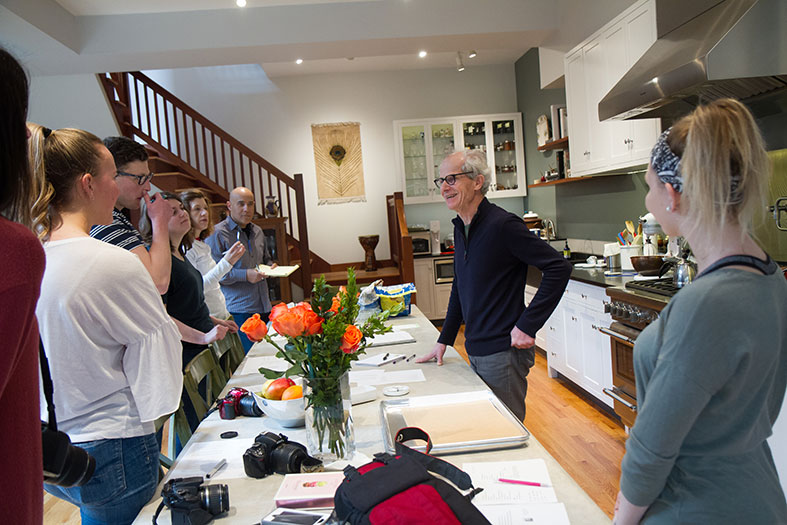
(303, 237)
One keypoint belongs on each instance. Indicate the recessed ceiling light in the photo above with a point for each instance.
(240, 3)
(471, 54)
(422, 53)
(299, 61)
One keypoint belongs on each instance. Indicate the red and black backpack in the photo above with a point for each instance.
(401, 489)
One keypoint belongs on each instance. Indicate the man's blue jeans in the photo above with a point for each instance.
(240, 318)
(124, 481)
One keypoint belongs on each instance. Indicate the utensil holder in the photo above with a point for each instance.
(626, 253)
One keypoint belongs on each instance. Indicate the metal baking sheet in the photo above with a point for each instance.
(457, 423)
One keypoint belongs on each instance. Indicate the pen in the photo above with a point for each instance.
(408, 359)
(216, 469)
(385, 356)
(520, 482)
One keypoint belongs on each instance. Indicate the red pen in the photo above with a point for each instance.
(520, 482)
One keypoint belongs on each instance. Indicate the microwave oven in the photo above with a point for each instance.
(422, 242)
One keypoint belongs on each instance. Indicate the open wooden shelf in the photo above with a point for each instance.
(561, 181)
(555, 144)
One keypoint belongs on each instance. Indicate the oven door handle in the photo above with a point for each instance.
(614, 334)
(614, 395)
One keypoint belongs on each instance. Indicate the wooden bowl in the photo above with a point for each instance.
(647, 264)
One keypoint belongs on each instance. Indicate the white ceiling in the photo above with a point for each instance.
(90, 36)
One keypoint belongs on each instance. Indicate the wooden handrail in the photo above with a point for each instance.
(188, 140)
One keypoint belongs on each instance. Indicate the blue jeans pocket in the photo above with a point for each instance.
(109, 480)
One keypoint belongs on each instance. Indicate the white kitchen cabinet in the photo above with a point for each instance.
(442, 294)
(541, 335)
(424, 286)
(422, 144)
(575, 349)
(592, 69)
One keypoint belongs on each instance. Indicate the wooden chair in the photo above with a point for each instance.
(178, 427)
(229, 353)
(203, 367)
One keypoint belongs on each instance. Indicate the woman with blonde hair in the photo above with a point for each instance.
(198, 253)
(113, 352)
(711, 371)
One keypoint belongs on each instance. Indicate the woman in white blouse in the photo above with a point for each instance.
(198, 254)
(113, 351)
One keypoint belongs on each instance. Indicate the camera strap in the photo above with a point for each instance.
(48, 389)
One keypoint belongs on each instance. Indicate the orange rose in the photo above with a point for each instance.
(254, 328)
(335, 304)
(276, 310)
(351, 339)
(312, 323)
(289, 322)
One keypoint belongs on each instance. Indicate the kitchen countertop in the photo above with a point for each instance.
(593, 276)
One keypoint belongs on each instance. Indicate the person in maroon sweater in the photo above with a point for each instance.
(20, 283)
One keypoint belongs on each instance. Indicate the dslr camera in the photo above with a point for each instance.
(275, 453)
(64, 464)
(238, 402)
(191, 502)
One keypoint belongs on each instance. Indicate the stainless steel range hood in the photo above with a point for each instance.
(732, 48)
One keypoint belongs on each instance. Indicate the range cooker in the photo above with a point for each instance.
(632, 308)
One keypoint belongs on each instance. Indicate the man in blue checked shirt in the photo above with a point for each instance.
(244, 287)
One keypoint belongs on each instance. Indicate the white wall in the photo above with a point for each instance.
(274, 117)
(70, 101)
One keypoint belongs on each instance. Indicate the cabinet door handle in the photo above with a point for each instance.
(573, 318)
(583, 296)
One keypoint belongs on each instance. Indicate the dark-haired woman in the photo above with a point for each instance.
(20, 284)
(711, 371)
(113, 351)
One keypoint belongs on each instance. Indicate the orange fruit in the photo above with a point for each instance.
(293, 392)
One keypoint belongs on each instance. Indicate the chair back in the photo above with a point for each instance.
(229, 353)
(204, 367)
(177, 425)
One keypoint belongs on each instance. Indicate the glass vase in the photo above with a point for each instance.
(329, 423)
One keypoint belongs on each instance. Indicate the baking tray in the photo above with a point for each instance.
(463, 422)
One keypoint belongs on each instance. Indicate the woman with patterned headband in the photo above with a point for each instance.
(711, 371)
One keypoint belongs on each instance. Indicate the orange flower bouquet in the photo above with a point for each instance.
(322, 342)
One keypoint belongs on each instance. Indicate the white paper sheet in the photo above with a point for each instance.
(383, 376)
(387, 358)
(253, 364)
(400, 327)
(535, 514)
(366, 377)
(496, 493)
(391, 338)
(202, 457)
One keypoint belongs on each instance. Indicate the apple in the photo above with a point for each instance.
(277, 388)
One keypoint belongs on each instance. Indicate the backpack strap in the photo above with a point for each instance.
(455, 475)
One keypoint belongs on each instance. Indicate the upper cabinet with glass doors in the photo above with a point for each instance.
(423, 144)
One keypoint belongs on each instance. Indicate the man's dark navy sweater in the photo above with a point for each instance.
(490, 270)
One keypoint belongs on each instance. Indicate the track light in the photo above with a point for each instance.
(422, 53)
(459, 65)
(240, 3)
(299, 61)
(471, 54)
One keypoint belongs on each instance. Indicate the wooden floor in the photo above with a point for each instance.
(586, 441)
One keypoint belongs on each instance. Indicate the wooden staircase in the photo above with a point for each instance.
(189, 151)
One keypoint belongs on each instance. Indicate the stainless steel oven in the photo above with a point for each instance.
(444, 270)
(632, 308)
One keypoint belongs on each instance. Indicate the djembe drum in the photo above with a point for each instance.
(369, 243)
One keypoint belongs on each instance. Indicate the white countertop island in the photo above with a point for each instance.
(251, 499)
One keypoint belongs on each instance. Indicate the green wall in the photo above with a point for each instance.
(591, 209)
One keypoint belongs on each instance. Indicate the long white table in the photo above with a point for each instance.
(251, 499)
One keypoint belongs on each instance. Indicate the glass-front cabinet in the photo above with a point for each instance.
(423, 144)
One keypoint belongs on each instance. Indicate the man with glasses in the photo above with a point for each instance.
(244, 287)
(493, 249)
(133, 182)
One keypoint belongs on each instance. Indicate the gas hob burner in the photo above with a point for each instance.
(663, 286)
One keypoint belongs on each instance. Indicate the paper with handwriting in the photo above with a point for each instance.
(495, 492)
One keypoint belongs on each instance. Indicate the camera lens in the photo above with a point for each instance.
(78, 469)
(248, 406)
(64, 464)
(215, 498)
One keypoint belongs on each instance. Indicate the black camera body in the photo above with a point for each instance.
(275, 453)
(64, 464)
(192, 503)
(238, 402)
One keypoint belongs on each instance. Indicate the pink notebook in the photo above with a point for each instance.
(313, 490)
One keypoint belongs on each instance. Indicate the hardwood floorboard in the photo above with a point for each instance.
(584, 439)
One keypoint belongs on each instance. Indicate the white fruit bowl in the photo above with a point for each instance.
(289, 414)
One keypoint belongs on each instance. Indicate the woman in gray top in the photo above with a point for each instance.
(711, 372)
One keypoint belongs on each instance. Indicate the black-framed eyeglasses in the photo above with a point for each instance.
(450, 179)
(141, 179)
